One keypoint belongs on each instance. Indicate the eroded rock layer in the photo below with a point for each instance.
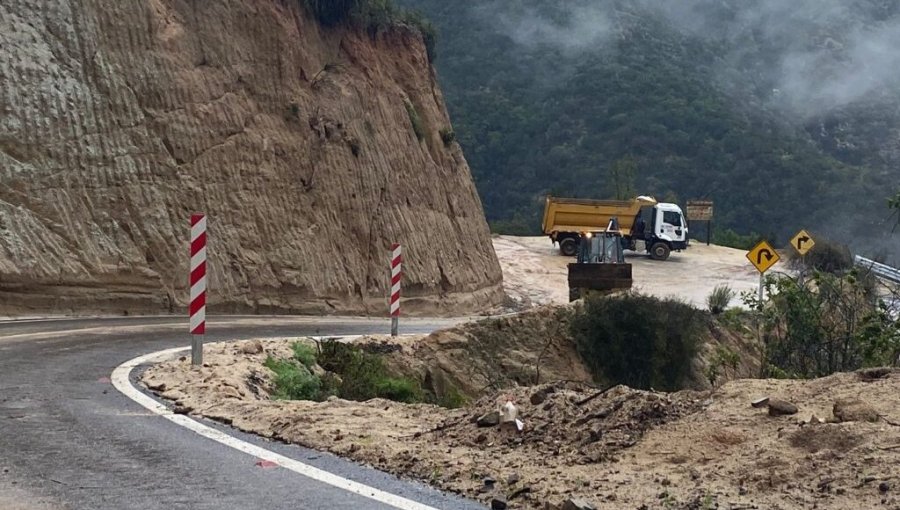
(311, 150)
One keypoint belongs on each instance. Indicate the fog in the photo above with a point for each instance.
(816, 55)
(802, 58)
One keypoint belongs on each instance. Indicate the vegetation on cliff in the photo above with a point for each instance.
(372, 14)
(756, 106)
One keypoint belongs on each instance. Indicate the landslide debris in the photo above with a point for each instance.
(619, 448)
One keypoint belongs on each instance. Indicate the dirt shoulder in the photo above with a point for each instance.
(535, 274)
(621, 448)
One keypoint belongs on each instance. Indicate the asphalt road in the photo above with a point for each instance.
(68, 439)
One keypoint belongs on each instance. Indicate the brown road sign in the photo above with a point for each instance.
(803, 242)
(763, 256)
(699, 210)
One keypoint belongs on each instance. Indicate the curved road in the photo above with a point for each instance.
(68, 439)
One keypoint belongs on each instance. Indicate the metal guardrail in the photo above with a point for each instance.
(880, 270)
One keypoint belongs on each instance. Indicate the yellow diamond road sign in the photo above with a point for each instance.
(803, 242)
(763, 256)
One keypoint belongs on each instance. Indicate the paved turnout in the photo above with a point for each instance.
(68, 439)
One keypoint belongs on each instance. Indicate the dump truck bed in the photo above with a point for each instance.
(584, 215)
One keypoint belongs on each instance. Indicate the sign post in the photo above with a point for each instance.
(701, 210)
(763, 256)
(396, 276)
(198, 287)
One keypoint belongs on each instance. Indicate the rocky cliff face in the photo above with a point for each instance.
(311, 150)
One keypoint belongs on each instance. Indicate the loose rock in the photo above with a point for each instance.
(760, 402)
(254, 347)
(854, 410)
(781, 408)
(538, 397)
(498, 503)
(491, 419)
(577, 504)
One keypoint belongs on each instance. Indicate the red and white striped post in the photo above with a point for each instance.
(396, 276)
(198, 287)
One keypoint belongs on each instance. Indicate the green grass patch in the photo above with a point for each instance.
(350, 373)
(293, 381)
(304, 353)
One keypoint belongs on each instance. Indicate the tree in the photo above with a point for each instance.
(622, 173)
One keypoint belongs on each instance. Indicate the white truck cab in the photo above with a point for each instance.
(669, 231)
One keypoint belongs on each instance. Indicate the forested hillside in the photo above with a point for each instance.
(784, 113)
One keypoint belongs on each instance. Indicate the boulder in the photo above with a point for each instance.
(854, 410)
(781, 407)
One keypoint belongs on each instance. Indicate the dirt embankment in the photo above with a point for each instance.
(536, 346)
(619, 448)
(120, 119)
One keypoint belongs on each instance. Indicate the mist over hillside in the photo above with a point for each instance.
(786, 114)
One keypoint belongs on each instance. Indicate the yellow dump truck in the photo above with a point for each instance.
(661, 226)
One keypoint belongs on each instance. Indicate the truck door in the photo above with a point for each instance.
(673, 225)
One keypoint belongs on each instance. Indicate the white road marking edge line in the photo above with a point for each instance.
(121, 380)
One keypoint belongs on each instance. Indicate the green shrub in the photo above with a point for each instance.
(415, 120)
(399, 389)
(719, 299)
(637, 340)
(374, 15)
(453, 399)
(827, 256)
(304, 353)
(293, 381)
(732, 239)
(351, 373)
(826, 323)
(448, 136)
(364, 375)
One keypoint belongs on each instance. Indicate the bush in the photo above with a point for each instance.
(398, 390)
(293, 381)
(374, 15)
(448, 136)
(364, 376)
(732, 239)
(719, 299)
(824, 324)
(304, 353)
(827, 256)
(453, 399)
(637, 340)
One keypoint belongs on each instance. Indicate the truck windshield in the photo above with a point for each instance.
(672, 218)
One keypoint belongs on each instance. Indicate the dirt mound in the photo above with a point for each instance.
(575, 424)
(479, 357)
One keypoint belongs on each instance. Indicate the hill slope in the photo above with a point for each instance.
(786, 115)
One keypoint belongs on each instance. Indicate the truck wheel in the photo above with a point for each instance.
(568, 247)
(659, 251)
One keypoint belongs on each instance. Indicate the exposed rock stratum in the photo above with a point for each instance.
(120, 119)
